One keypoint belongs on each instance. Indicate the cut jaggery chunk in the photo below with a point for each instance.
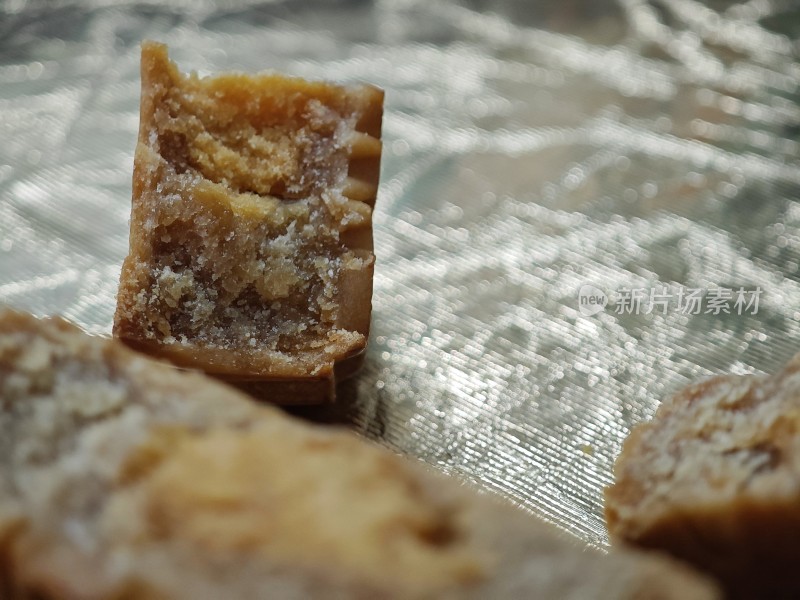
(714, 479)
(251, 226)
(122, 477)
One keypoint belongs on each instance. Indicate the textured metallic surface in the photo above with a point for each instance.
(531, 148)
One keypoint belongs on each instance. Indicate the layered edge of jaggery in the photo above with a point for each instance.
(356, 187)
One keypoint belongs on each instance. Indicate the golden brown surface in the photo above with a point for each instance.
(122, 477)
(715, 480)
(251, 225)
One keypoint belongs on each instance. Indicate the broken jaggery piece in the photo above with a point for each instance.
(122, 477)
(714, 479)
(251, 227)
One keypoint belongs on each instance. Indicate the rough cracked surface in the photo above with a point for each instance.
(122, 477)
(715, 479)
(251, 224)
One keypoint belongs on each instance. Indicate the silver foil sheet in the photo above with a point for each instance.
(535, 153)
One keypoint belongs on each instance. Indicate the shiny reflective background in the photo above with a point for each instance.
(530, 149)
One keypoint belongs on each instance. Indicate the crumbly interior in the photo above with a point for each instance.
(233, 133)
(260, 275)
(245, 207)
(125, 478)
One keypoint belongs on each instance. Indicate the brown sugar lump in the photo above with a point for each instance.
(123, 477)
(251, 227)
(714, 479)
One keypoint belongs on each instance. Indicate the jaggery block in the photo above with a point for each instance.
(251, 227)
(123, 477)
(714, 479)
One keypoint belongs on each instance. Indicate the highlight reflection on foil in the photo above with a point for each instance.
(530, 149)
